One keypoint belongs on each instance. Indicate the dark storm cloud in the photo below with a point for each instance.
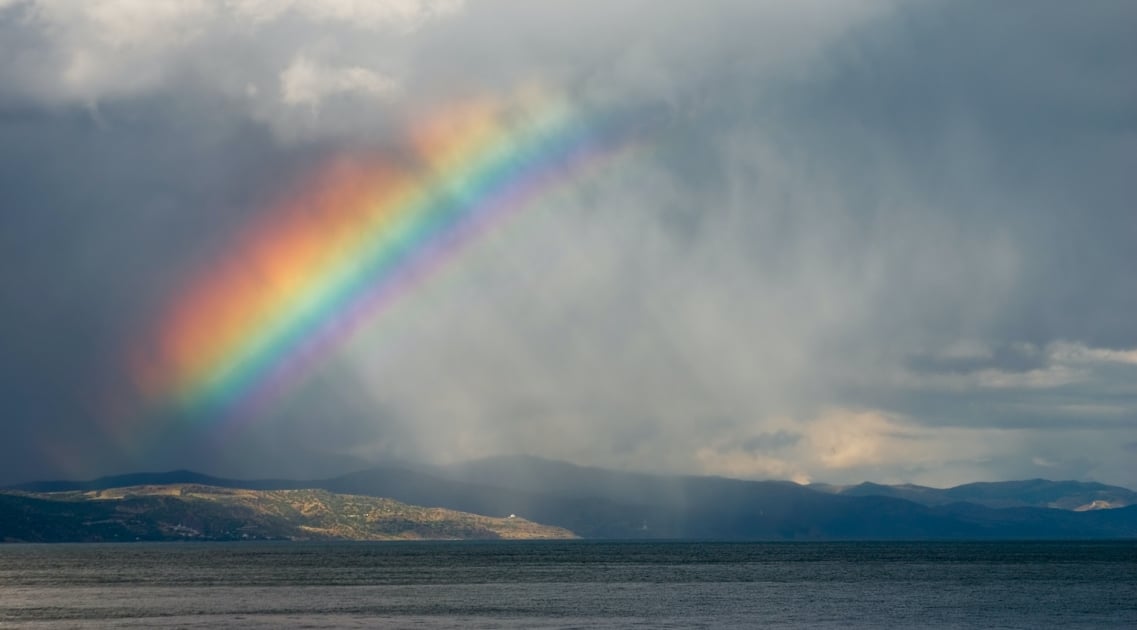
(771, 442)
(1007, 357)
(866, 239)
(1015, 125)
(105, 216)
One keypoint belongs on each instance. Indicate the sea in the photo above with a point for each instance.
(570, 584)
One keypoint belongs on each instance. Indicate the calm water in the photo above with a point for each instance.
(570, 585)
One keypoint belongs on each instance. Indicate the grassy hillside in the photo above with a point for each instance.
(199, 512)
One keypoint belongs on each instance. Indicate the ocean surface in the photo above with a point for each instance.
(570, 585)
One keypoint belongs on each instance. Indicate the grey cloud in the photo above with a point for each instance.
(1016, 357)
(874, 221)
(102, 219)
(1022, 127)
(771, 441)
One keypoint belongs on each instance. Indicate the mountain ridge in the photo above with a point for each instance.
(1062, 495)
(603, 503)
(189, 511)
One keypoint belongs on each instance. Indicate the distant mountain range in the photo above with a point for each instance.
(1063, 495)
(600, 503)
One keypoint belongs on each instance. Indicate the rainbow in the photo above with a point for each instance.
(310, 272)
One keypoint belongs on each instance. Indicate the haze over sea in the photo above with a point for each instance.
(571, 585)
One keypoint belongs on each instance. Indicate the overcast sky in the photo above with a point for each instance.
(857, 240)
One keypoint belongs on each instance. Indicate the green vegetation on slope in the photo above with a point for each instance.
(190, 511)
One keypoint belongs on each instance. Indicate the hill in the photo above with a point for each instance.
(182, 511)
